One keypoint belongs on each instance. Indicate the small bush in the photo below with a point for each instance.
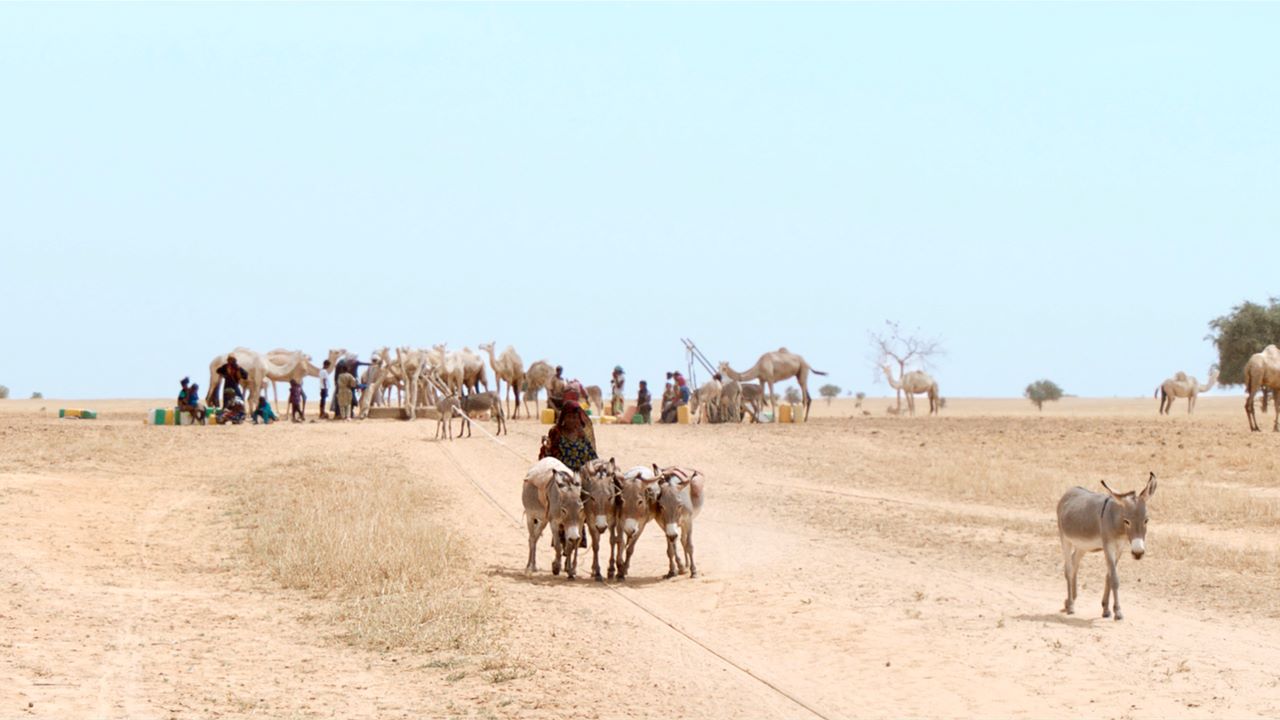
(793, 396)
(37, 396)
(4, 392)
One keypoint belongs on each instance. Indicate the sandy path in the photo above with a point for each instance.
(123, 594)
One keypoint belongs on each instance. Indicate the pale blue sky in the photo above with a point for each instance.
(1057, 190)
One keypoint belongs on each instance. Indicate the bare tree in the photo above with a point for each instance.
(891, 345)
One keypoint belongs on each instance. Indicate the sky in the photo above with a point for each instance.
(1054, 190)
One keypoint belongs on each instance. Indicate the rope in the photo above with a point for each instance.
(620, 594)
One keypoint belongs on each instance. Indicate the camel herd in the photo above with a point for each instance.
(422, 378)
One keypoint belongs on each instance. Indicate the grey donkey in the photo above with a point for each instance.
(602, 501)
(552, 496)
(1089, 521)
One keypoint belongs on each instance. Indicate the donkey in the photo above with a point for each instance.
(552, 497)
(601, 488)
(1089, 521)
(637, 505)
(484, 402)
(448, 407)
(680, 497)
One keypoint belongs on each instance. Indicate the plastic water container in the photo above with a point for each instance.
(77, 413)
(548, 416)
(682, 415)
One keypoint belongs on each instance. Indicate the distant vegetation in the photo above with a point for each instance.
(860, 396)
(793, 395)
(1043, 391)
(37, 396)
(4, 392)
(829, 392)
(1247, 329)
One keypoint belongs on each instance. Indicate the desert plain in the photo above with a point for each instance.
(852, 566)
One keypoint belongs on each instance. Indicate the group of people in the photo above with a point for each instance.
(233, 410)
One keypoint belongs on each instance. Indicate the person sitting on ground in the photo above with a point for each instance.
(616, 383)
(233, 413)
(295, 402)
(264, 412)
(670, 403)
(644, 402)
(572, 440)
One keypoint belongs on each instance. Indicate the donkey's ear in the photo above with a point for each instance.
(656, 471)
(1113, 493)
(1150, 489)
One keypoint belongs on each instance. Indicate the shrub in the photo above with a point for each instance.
(1042, 391)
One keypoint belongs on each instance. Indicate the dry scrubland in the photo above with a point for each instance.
(854, 566)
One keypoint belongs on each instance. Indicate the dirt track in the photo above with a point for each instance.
(836, 581)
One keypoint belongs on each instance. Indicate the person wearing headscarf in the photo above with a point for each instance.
(572, 440)
(616, 384)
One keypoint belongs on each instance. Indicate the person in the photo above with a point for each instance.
(189, 401)
(555, 390)
(682, 387)
(346, 383)
(232, 375)
(644, 402)
(295, 402)
(232, 413)
(670, 403)
(324, 389)
(264, 412)
(616, 384)
(572, 440)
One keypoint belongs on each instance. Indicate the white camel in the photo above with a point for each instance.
(509, 368)
(282, 365)
(1182, 385)
(774, 367)
(254, 365)
(916, 382)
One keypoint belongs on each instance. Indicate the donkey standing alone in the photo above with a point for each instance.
(1089, 521)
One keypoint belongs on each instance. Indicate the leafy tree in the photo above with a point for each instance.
(893, 346)
(829, 392)
(4, 393)
(37, 396)
(1247, 329)
(793, 395)
(1042, 391)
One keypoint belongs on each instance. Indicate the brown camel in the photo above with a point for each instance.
(774, 367)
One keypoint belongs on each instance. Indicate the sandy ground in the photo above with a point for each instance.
(856, 565)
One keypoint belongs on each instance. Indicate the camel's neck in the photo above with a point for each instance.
(1213, 380)
(751, 373)
(895, 384)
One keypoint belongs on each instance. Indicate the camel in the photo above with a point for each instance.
(915, 383)
(1262, 371)
(508, 367)
(253, 363)
(774, 367)
(539, 374)
(1183, 386)
(595, 396)
(473, 374)
(448, 367)
(282, 365)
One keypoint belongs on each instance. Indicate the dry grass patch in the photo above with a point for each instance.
(360, 530)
